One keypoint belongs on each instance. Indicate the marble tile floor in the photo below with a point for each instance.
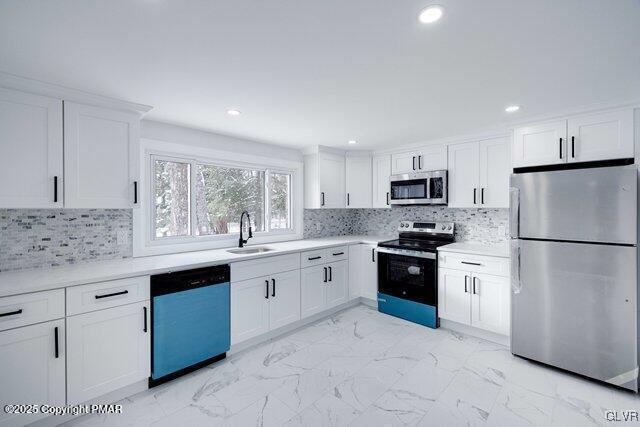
(363, 368)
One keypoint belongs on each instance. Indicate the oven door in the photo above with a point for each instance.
(409, 189)
(412, 277)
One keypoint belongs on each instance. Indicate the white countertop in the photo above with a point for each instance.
(20, 282)
(472, 248)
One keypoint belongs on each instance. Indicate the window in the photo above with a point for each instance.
(199, 200)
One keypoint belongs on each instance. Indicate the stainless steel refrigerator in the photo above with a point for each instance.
(574, 271)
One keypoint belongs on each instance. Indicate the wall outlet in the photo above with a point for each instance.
(122, 237)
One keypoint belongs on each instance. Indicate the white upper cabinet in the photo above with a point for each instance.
(495, 168)
(463, 175)
(479, 173)
(423, 159)
(381, 174)
(540, 144)
(324, 180)
(31, 150)
(100, 157)
(358, 181)
(600, 136)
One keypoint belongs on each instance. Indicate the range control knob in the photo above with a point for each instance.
(444, 227)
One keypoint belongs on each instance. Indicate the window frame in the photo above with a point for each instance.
(145, 240)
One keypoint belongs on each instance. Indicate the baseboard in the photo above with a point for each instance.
(479, 333)
(373, 303)
(105, 399)
(291, 327)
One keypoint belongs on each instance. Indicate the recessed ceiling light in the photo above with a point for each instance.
(353, 141)
(431, 14)
(512, 108)
(233, 112)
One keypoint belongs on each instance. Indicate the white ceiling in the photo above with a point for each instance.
(323, 72)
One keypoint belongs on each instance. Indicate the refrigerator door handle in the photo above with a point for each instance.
(514, 212)
(516, 284)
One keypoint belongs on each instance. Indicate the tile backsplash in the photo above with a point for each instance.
(38, 238)
(328, 222)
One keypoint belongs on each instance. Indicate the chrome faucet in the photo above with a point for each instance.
(242, 241)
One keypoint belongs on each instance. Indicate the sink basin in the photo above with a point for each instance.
(250, 250)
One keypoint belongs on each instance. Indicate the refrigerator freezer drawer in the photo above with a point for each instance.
(576, 309)
(586, 205)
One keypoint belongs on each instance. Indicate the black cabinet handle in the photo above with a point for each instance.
(560, 147)
(348, 199)
(387, 198)
(420, 162)
(266, 283)
(474, 286)
(482, 195)
(322, 199)
(273, 291)
(55, 189)
(11, 313)
(573, 147)
(55, 337)
(465, 284)
(330, 274)
(314, 258)
(325, 274)
(338, 253)
(414, 162)
(475, 190)
(470, 263)
(135, 192)
(373, 255)
(144, 328)
(112, 295)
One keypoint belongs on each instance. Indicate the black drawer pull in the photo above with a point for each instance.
(314, 258)
(144, 309)
(11, 313)
(470, 263)
(56, 349)
(338, 253)
(112, 295)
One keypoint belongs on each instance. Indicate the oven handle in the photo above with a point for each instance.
(415, 254)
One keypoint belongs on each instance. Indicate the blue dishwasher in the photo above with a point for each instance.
(190, 324)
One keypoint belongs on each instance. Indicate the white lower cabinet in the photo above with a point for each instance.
(453, 295)
(107, 350)
(324, 287)
(32, 368)
(337, 283)
(264, 303)
(363, 271)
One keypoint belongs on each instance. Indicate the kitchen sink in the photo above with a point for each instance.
(253, 250)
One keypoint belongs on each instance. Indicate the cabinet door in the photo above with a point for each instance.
(463, 175)
(107, 350)
(30, 372)
(490, 302)
(601, 136)
(30, 151)
(369, 272)
(313, 290)
(100, 157)
(454, 295)
(249, 308)
(338, 283)
(432, 158)
(542, 144)
(332, 170)
(381, 173)
(495, 168)
(404, 162)
(284, 299)
(358, 182)
(355, 271)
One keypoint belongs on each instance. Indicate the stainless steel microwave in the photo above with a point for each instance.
(420, 188)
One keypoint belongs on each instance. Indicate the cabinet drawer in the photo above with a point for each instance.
(244, 270)
(27, 309)
(315, 257)
(337, 254)
(474, 263)
(97, 296)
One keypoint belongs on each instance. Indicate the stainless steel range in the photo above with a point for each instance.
(408, 271)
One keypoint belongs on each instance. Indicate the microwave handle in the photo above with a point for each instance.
(429, 188)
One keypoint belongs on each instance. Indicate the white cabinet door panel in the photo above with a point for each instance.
(453, 296)
(31, 151)
(381, 174)
(332, 185)
(337, 285)
(313, 290)
(490, 302)
(463, 175)
(249, 308)
(358, 182)
(284, 299)
(100, 157)
(369, 272)
(540, 144)
(432, 158)
(107, 350)
(601, 136)
(29, 369)
(495, 168)
(404, 162)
